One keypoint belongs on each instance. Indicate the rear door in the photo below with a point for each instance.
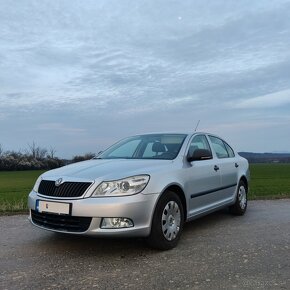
(227, 166)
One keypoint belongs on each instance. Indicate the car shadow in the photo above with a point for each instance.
(207, 221)
(122, 247)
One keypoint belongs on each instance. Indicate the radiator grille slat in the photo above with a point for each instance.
(61, 222)
(66, 189)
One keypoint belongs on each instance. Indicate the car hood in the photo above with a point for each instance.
(107, 169)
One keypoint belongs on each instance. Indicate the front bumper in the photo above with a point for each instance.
(139, 208)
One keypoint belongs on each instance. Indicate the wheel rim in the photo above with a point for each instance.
(171, 219)
(242, 195)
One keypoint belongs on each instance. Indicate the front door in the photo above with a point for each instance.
(202, 179)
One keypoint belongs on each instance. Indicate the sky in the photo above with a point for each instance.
(79, 75)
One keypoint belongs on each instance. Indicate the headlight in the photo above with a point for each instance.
(126, 186)
(36, 185)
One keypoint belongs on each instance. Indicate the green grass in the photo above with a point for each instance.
(268, 181)
(14, 189)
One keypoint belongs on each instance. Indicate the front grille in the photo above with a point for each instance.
(66, 189)
(61, 222)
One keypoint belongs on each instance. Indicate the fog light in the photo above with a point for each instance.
(116, 223)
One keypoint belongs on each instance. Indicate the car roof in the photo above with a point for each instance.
(173, 132)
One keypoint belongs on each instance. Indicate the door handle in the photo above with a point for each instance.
(236, 165)
(216, 168)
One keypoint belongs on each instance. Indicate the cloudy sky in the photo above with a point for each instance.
(79, 75)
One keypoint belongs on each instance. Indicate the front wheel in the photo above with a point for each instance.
(167, 223)
(240, 205)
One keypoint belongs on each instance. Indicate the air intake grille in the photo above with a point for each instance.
(61, 222)
(66, 189)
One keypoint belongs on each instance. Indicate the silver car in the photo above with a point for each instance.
(145, 185)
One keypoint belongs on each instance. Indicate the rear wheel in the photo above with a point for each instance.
(167, 223)
(240, 206)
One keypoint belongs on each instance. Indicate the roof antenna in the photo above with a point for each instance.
(196, 126)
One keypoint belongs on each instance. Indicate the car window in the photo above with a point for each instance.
(198, 142)
(219, 147)
(230, 150)
(126, 150)
(149, 151)
(150, 146)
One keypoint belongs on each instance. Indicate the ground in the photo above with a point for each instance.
(218, 251)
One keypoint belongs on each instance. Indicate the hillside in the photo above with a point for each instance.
(266, 157)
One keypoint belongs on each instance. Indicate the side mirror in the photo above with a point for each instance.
(200, 154)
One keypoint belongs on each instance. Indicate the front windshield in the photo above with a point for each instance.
(151, 146)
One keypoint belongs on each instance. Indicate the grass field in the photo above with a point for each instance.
(268, 181)
(14, 189)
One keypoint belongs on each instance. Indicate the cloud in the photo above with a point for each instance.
(62, 128)
(250, 125)
(272, 100)
(113, 68)
(3, 116)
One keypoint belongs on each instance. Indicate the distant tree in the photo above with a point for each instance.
(36, 151)
(51, 152)
(32, 149)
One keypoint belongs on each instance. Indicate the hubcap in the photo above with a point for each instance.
(242, 195)
(171, 220)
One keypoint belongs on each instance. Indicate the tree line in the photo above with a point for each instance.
(35, 157)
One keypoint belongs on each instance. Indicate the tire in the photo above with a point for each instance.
(167, 223)
(240, 205)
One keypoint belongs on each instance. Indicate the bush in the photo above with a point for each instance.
(79, 158)
(36, 158)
